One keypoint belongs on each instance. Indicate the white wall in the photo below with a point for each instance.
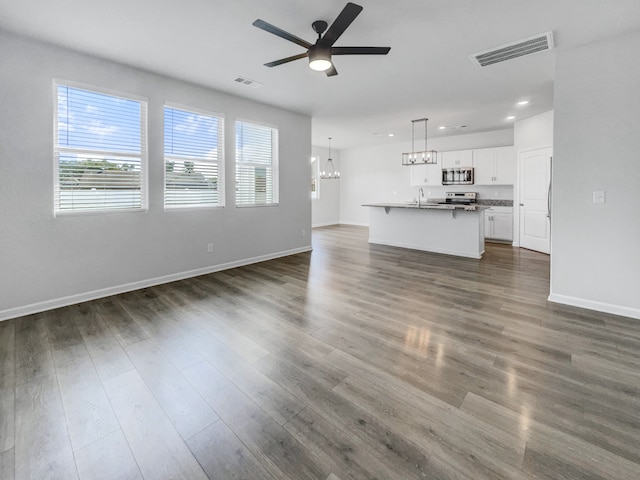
(596, 247)
(534, 132)
(47, 261)
(376, 174)
(325, 210)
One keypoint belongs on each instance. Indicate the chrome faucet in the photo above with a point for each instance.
(420, 194)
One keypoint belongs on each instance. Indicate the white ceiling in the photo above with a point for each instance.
(427, 73)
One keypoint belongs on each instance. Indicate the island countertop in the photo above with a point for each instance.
(433, 227)
(431, 206)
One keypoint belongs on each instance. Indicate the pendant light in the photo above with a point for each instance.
(329, 171)
(421, 157)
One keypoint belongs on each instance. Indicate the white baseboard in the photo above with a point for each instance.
(355, 224)
(327, 224)
(128, 287)
(597, 306)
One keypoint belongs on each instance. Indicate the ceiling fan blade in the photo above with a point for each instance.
(267, 27)
(286, 60)
(360, 50)
(337, 28)
(331, 71)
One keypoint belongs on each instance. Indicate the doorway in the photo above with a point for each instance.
(535, 199)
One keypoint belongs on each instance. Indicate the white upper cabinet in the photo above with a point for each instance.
(457, 159)
(426, 174)
(495, 166)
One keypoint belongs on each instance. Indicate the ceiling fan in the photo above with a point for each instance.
(320, 53)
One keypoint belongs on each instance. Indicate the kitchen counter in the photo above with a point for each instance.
(449, 229)
(428, 205)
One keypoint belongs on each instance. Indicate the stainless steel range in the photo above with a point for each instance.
(460, 198)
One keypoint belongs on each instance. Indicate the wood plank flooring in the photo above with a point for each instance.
(349, 362)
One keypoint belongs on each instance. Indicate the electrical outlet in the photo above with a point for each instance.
(598, 196)
(303, 233)
(497, 193)
(209, 247)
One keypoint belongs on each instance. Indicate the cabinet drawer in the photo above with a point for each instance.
(500, 209)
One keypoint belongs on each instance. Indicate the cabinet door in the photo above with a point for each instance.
(457, 159)
(449, 159)
(418, 175)
(465, 157)
(426, 174)
(505, 170)
(484, 162)
(487, 224)
(433, 174)
(502, 226)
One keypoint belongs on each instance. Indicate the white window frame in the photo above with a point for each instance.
(275, 153)
(57, 149)
(220, 162)
(315, 177)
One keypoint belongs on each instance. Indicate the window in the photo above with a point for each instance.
(256, 165)
(315, 177)
(193, 159)
(100, 151)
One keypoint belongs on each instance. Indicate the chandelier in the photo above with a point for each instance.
(423, 156)
(329, 171)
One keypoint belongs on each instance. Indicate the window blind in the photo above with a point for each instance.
(256, 164)
(100, 156)
(194, 160)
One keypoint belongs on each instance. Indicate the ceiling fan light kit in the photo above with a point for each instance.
(320, 53)
(319, 58)
(419, 157)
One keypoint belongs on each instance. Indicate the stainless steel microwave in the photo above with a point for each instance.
(457, 176)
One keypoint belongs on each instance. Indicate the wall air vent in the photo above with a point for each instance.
(520, 48)
(247, 82)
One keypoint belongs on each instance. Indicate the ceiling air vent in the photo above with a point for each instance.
(247, 82)
(520, 48)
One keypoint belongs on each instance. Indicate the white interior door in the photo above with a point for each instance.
(535, 200)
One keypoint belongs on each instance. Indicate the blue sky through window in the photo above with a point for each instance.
(96, 121)
(188, 134)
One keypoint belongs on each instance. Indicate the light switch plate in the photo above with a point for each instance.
(598, 196)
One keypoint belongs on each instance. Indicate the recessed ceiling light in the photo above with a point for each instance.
(523, 102)
(441, 127)
(390, 135)
(511, 117)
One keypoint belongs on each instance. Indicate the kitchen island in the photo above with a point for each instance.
(452, 230)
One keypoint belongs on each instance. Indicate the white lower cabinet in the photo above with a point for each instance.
(426, 174)
(498, 223)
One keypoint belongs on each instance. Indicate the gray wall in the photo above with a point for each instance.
(595, 260)
(47, 261)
